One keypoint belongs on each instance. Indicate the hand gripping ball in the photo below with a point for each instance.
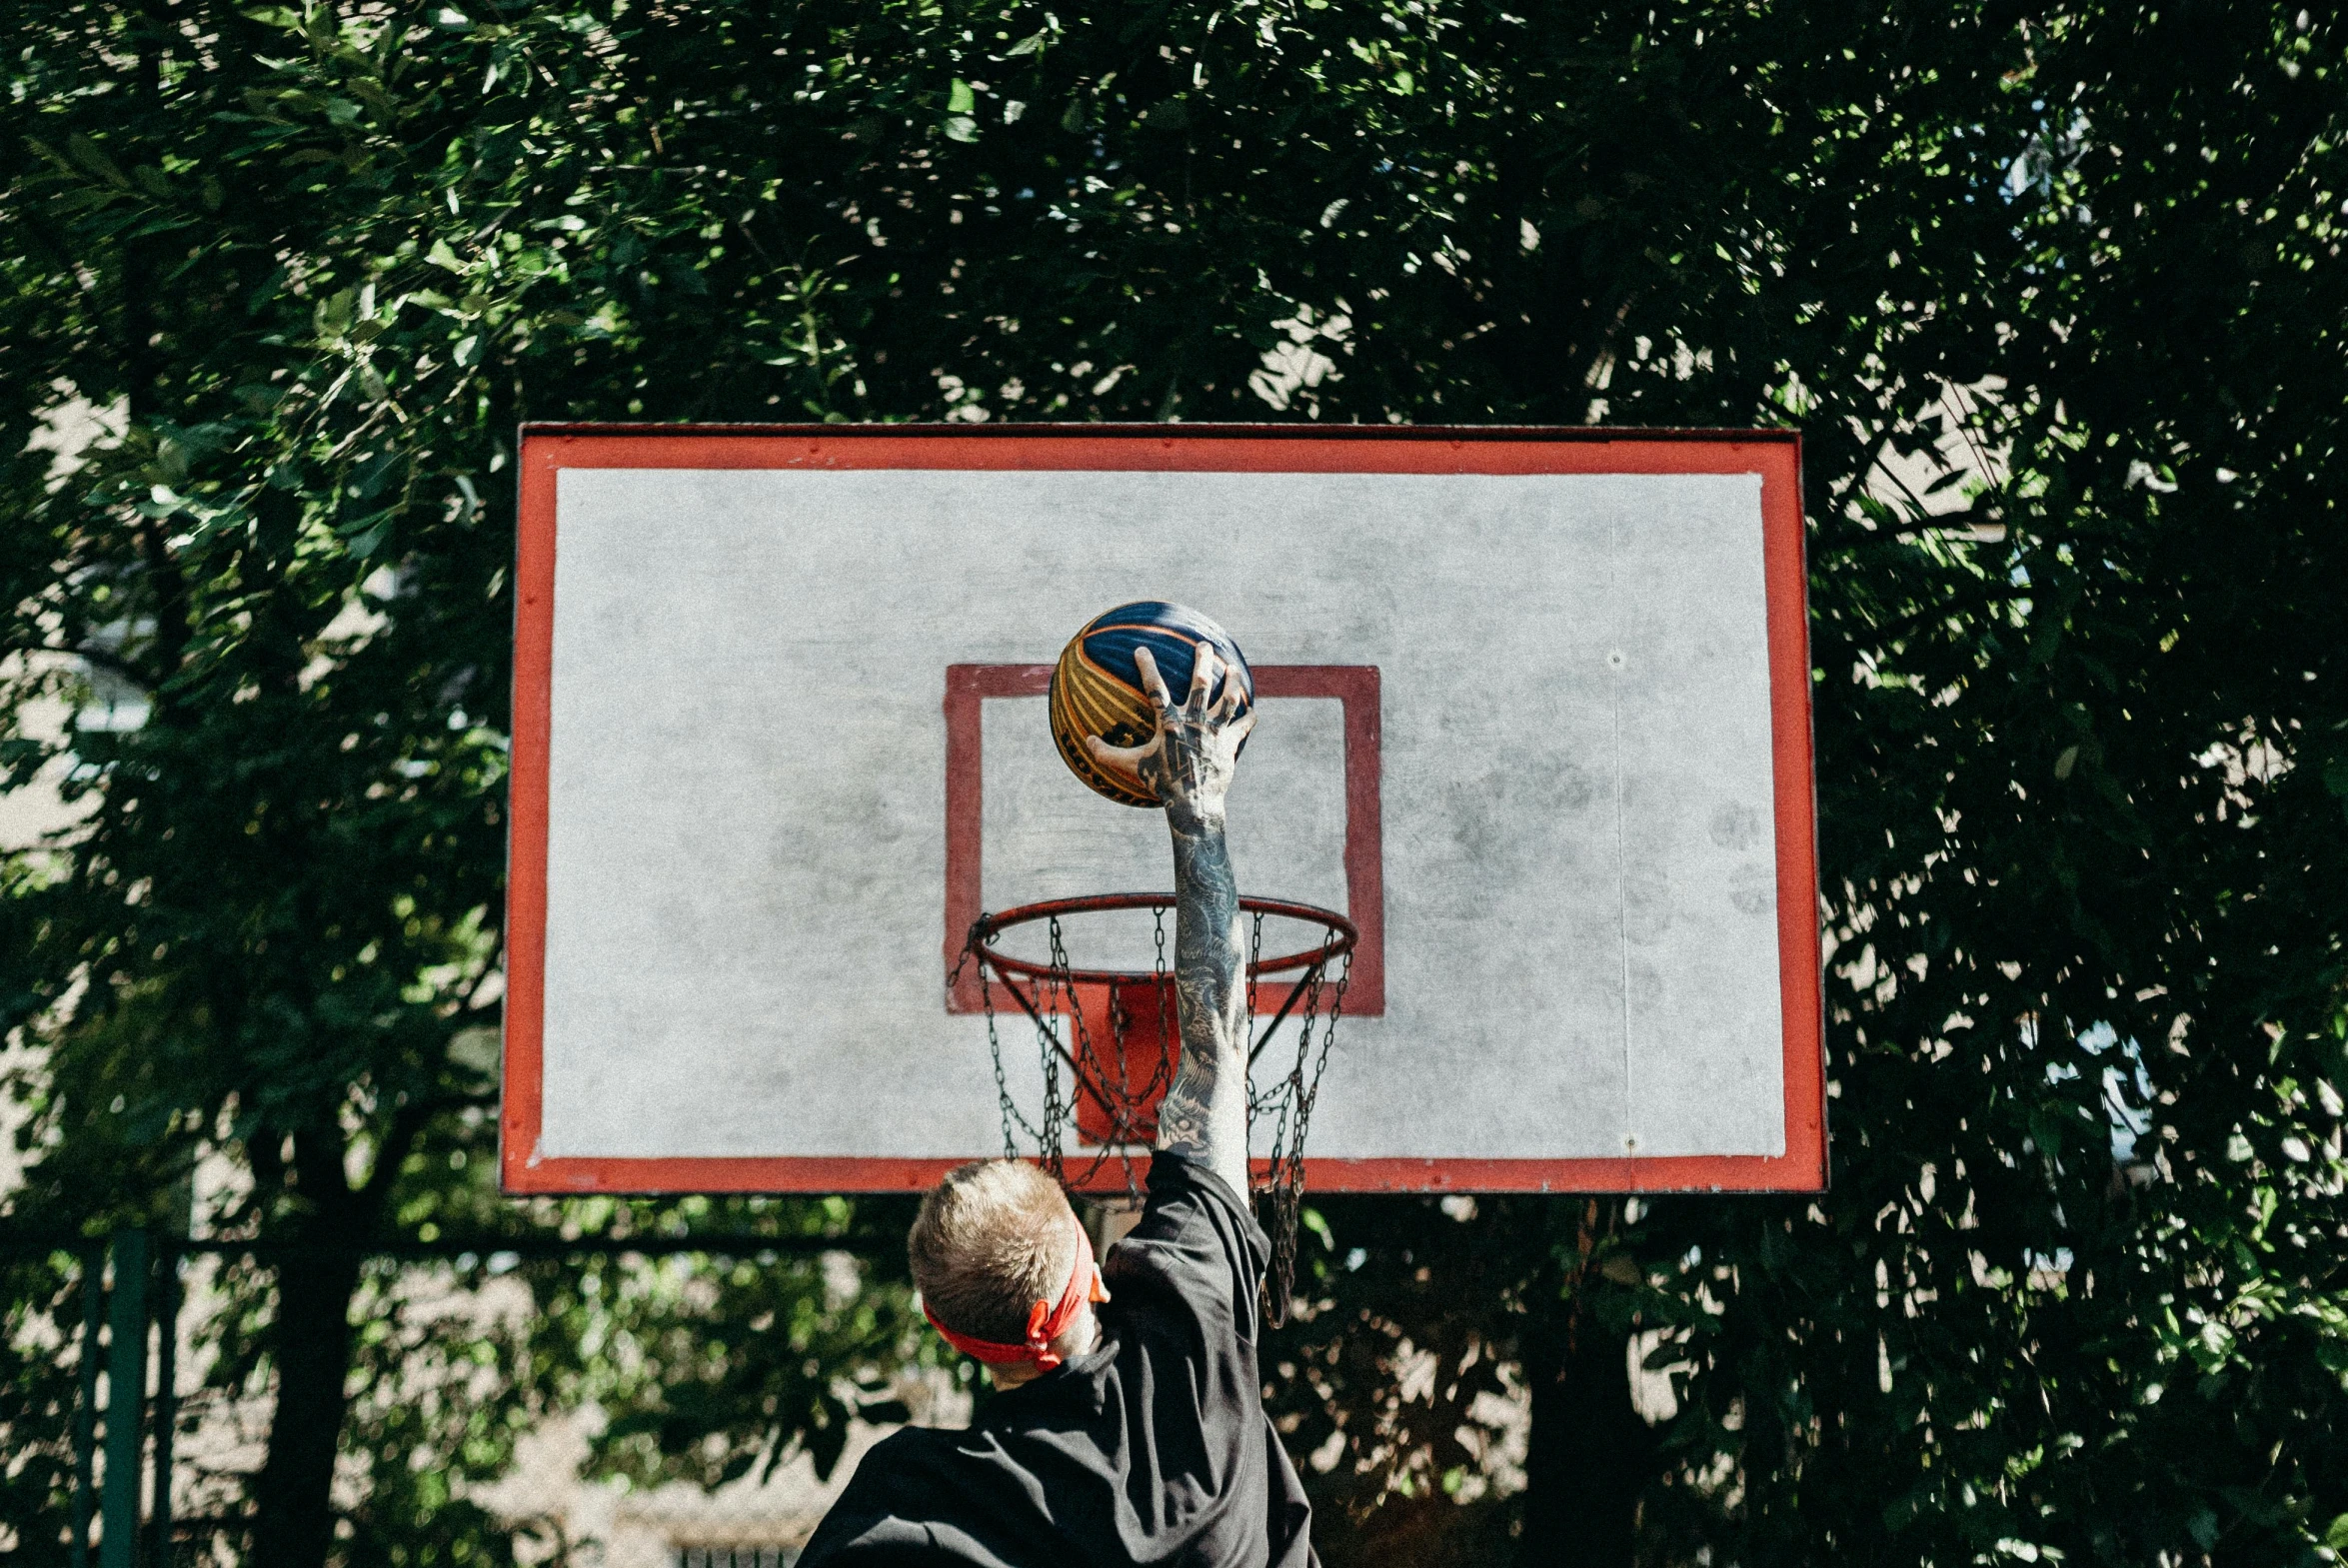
(1096, 686)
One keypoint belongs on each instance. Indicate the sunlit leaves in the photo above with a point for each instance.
(2055, 295)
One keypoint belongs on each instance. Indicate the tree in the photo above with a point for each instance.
(273, 937)
(2054, 293)
(2079, 782)
(279, 911)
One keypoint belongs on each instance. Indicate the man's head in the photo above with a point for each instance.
(993, 1239)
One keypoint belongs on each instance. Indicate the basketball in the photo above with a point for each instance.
(1096, 686)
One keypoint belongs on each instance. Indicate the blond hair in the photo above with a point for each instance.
(991, 1239)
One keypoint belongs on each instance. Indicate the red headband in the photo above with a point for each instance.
(1045, 1322)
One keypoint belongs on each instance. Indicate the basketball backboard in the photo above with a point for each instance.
(1536, 718)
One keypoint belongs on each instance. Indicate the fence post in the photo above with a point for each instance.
(126, 1393)
(166, 1400)
(85, 1415)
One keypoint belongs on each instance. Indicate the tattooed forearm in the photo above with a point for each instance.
(1204, 1113)
(1188, 763)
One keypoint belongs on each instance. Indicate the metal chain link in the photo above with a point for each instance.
(1286, 1179)
(1057, 1110)
(1086, 1057)
(1255, 956)
(1278, 1100)
(1010, 1147)
(1168, 1029)
(1287, 1102)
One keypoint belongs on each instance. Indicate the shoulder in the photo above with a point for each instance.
(1176, 1175)
(1196, 1249)
(906, 1463)
(897, 1506)
(1188, 1202)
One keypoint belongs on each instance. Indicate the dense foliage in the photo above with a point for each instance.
(2053, 290)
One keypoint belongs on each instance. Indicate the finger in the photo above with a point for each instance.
(1202, 674)
(1232, 696)
(1153, 684)
(1243, 726)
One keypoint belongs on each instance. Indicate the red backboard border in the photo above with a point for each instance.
(1774, 455)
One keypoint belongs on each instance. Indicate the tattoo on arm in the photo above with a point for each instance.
(1204, 1113)
(1188, 763)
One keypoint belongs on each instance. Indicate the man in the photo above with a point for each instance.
(1131, 1426)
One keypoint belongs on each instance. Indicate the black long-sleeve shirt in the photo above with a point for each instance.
(1150, 1448)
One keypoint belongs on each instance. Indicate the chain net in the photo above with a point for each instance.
(1107, 1045)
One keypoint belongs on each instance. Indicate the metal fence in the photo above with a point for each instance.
(130, 1293)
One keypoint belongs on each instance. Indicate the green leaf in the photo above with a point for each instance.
(332, 314)
(361, 540)
(93, 158)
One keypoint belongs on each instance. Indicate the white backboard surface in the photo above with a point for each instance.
(1591, 790)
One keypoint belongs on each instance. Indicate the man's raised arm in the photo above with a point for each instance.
(1189, 762)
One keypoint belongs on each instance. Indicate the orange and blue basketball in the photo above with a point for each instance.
(1096, 686)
